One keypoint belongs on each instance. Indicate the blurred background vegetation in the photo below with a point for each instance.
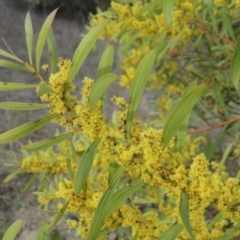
(73, 9)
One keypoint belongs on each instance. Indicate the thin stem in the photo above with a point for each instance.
(214, 126)
(9, 48)
(205, 27)
(40, 78)
(35, 72)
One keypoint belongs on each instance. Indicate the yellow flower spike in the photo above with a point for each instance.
(165, 172)
(45, 67)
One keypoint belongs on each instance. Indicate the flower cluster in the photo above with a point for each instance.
(211, 191)
(73, 114)
(48, 162)
(142, 26)
(82, 206)
(166, 174)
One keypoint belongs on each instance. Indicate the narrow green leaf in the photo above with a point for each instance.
(168, 6)
(42, 179)
(106, 231)
(184, 213)
(235, 66)
(230, 232)
(13, 230)
(49, 159)
(26, 129)
(217, 218)
(123, 1)
(13, 65)
(56, 236)
(189, 88)
(226, 154)
(29, 35)
(221, 100)
(172, 232)
(127, 44)
(137, 87)
(220, 48)
(180, 112)
(22, 106)
(42, 37)
(113, 167)
(42, 234)
(44, 89)
(199, 113)
(235, 126)
(58, 216)
(197, 44)
(7, 86)
(99, 88)
(117, 175)
(69, 165)
(122, 195)
(9, 55)
(52, 49)
(29, 183)
(84, 166)
(106, 62)
(83, 49)
(150, 7)
(212, 146)
(107, 14)
(85, 189)
(227, 23)
(100, 214)
(120, 34)
(214, 21)
(47, 143)
(73, 150)
(136, 236)
(163, 48)
(181, 133)
(13, 175)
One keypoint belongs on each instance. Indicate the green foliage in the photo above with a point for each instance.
(7, 86)
(13, 230)
(26, 129)
(100, 86)
(29, 35)
(41, 38)
(84, 166)
(48, 142)
(42, 233)
(137, 87)
(22, 106)
(184, 213)
(52, 51)
(168, 9)
(127, 175)
(234, 71)
(180, 112)
(172, 232)
(83, 50)
(181, 133)
(106, 62)
(104, 210)
(58, 217)
(120, 196)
